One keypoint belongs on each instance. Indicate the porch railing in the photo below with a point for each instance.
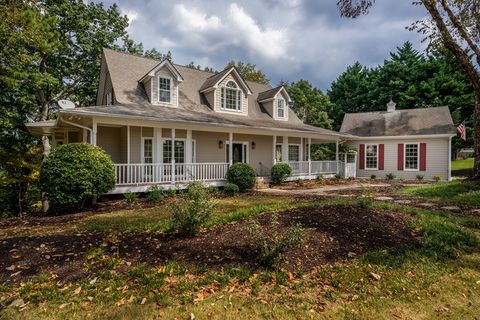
(300, 168)
(151, 173)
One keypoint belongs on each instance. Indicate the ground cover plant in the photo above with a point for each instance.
(457, 192)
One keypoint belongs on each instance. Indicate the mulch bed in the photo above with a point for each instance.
(313, 184)
(334, 234)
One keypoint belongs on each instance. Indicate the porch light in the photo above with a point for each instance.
(220, 144)
(253, 145)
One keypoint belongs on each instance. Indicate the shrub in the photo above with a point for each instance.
(320, 178)
(373, 177)
(390, 176)
(271, 242)
(436, 178)
(300, 182)
(419, 177)
(230, 189)
(131, 197)
(74, 173)
(338, 176)
(192, 211)
(155, 194)
(172, 192)
(364, 201)
(243, 175)
(280, 172)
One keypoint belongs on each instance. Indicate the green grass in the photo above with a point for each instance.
(462, 164)
(457, 192)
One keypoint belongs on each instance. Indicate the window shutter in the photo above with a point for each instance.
(400, 157)
(381, 156)
(423, 156)
(362, 157)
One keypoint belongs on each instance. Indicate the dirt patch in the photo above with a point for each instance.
(334, 234)
(314, 184)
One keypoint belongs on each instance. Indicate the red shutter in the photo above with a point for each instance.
(400, 157)
(381, 156)
(423, 156)
(362, 157)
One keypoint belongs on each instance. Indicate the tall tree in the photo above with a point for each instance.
(454, 25)
(249, 71)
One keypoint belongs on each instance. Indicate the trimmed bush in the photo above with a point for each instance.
(390, 176)
(192, 211)
(155, 194)
(243, 175)
(73, 173)
(419, 177)
(280, 172)
(436, 178)
(231, 189)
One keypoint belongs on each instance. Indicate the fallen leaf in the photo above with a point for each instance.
(11, 268)
(143, 301)
(192, 316)
(17, 303)
(121, 302)
(375, 276)
(77, 291)
(93, 280)
(63, 305)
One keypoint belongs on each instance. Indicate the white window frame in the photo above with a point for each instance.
(158, 89)
(405, 156)
(194, 149)
(245, 148)
(108, 99)
(284, 108)
(299, 152)
(142, 149)
(223, 96)
(365, 156)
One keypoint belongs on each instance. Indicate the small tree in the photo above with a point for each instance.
(243, 175)
(280, 172)
(193, 210)
(74, 173)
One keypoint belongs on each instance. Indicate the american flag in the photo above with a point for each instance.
(462, 131)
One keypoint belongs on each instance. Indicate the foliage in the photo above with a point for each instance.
(155, 194)
(280, 172)
(131, 197)
(300, 182)
(172, 192)
(193, 210)
(419, 177)
(76, 172)
(338, 176)
(436, 178)
(231, 189)
(390, 176)
(249, 71)
(310, 104)
(373, 176)
(458, 192)
(243, 175)
(320, 178)
(271, 241)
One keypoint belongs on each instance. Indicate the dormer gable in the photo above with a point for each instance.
(161, 84)
(276, 102)
(227, 92)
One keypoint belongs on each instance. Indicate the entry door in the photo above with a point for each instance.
(239, 152)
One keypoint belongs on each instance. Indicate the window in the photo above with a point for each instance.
(281, 108)
(147, 151)
(231, 97)
(109, 98)
(179, 151)
(164, 89)
(411, 156)
(278, 153)
(293, 153)
(371, 154)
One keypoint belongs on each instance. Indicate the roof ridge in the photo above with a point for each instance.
(385, 111)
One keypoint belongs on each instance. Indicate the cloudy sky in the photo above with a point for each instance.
(288, 40)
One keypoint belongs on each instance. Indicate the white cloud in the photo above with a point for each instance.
(192, 20)
(132, 16)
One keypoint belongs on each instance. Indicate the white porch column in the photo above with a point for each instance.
(274, 147)
(309, 156)
(188, 147)
(285, 149)
(230, 148)
(301, 156)
(449, 173)
(128, 144)
(337, 158)
(93, 138)
(173, 156)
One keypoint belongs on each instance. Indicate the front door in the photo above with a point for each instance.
(239, 151)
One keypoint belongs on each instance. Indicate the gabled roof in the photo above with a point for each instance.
(214, 80)
(166, 63)
(421, 121)
(270, 94)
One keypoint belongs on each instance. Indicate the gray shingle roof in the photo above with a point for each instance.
(126, 69)
(269, 94)
(212, 80)
(422, 121)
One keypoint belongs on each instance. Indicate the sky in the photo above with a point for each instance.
(287, 40)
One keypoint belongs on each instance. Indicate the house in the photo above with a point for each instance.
(167, 124)
(405, 143)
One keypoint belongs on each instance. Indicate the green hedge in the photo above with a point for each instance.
(280, 172)
(243, 175)
(73, 173)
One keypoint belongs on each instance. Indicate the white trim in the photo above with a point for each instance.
(405, 156)
(365, 156)
(194, 148)
(399, 137)
(128, 144)
(245, 144)
(142, 149)
(244, 83)
(169, 65)
(288, 151)
(449, 173)
(170, 90)
(275, 110)
(223, 97)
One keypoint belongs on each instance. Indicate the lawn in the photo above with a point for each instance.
(435, 275)
(456, 192)
(462, 167)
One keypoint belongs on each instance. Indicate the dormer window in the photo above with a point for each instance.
(281, 108)
(231, 97)
(164, 89)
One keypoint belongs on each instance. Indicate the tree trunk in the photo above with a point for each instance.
(476, 138)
